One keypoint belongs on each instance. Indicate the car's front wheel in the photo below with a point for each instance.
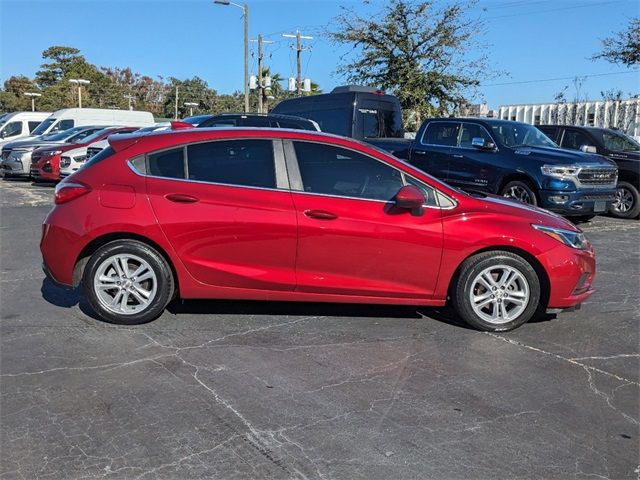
(627, 202)
(128, 282)
(496, 291)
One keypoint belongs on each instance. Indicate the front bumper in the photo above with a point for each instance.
(580, 202)
(571, 274)
(15, 165)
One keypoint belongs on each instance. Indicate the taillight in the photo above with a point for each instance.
(65, 192)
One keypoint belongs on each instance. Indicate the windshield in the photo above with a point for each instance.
(95, 136)
(196, 119)
(619, 142)
(521, 135)
(40, 129)
(58, 136)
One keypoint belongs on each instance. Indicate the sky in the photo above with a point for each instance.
(532, 41)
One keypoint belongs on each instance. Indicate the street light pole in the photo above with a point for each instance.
(79, 82)
(191, 105)
(245, 14)
(33, 99)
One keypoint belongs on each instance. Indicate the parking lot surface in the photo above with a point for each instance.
(263, 390)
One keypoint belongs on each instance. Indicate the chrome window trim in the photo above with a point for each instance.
(424, 132)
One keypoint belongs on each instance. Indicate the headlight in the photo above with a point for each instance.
(52, 153)
(568, 237)
(560, 171)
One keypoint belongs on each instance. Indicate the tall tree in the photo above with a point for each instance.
(12, 95)
(624, 47)
(419, 50)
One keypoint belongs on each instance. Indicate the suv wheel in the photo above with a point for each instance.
(520, 190)
(128, 282)
(627, 202)
(496, 291)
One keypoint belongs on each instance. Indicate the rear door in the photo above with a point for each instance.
(432, 151)
(226, 208)
(471, 167)
(352, 240)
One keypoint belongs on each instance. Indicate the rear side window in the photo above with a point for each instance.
(338, 121)
(167, 164)
(248, 163)
(441, 133)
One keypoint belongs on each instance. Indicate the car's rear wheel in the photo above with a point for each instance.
(520, 190)
(496, 291)
(128, 282)
(627, 202)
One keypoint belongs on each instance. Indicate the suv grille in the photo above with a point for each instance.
(5, 153)
(598, 176)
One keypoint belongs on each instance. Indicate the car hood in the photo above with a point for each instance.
(488, 203)
(30, 143)
(561, 156)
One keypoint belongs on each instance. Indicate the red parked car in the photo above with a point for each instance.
(45, 161)
(270, 214)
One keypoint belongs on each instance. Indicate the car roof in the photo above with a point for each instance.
(262, 115)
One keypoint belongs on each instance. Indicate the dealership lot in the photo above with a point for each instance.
(238, 389)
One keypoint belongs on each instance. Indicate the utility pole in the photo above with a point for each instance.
(79, 82)
(298, 36)
(176, 106)
(261, 85)
(33, 99)
(129, 97)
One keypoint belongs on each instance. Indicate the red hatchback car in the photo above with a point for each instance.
(266, 214)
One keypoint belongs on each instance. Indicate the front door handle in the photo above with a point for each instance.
(458, 156)
(420, 152)
(181, 198)
(320, 214)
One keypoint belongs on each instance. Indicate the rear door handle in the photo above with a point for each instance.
(181, 198)
(458, 156)
(320, 214)
(420, 152)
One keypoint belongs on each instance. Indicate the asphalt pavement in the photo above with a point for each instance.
(237, 390)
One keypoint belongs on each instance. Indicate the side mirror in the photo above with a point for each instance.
(478, 142)
(410, 198)
(588, 149)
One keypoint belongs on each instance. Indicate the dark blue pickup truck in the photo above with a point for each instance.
(512, 159)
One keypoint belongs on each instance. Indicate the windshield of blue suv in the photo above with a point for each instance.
(520, 135)
(617, 141)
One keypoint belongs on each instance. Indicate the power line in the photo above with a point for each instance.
(553, 10)
(558, 78)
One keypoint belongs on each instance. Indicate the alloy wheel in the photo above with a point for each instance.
(623, 201)
(499, 294)
(125, 284)
(519, 193)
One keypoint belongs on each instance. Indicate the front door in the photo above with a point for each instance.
(230, 221)
(471, 167)
(352, 240)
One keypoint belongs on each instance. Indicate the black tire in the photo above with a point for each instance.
(525, 192)
(627, 203)
(164, 282)
(581, 218)
(466, 281)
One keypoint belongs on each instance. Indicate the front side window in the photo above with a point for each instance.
(330, 170)
(618, 142)
(471, 131)
(441, 133)
(574, 139)
(167, 164)
(11, 129)
(247, 163)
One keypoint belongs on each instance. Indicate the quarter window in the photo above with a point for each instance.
(337, 171)
(168, 164)
(247, 163)
(441, 133)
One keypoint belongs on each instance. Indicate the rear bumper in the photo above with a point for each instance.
(581, 202)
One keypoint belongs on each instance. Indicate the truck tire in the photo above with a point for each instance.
(520, 190)
(627, 204)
